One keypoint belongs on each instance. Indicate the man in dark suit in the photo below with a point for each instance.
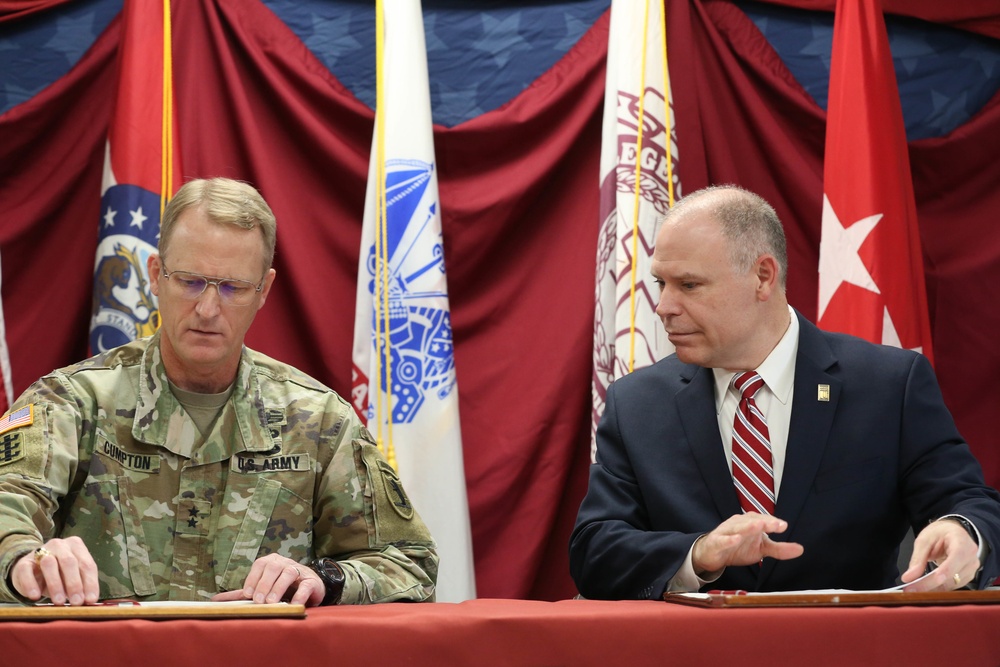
(852, 441)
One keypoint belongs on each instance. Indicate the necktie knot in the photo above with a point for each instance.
(748, 383)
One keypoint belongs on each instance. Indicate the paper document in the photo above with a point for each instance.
(822, 591)
(892, 589)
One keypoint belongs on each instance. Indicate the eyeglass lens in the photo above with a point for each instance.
(235, 292)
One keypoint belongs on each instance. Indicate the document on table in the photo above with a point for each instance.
(830, 591)
(894, 596)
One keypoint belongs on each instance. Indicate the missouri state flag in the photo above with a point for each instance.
(141, 173)
(871, 270)
(404, 382)
(639, 183)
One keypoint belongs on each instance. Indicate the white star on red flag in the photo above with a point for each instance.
(839, 261)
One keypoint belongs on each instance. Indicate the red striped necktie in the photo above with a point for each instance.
(752, 471)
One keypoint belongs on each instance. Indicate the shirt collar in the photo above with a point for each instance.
(777, 370)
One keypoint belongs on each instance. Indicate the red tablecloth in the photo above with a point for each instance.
(519, 632)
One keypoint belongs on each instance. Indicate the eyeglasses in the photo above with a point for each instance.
(232, 292)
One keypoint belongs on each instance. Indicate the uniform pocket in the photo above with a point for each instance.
(135, 540)
(105, 518)
(262, 515)
(250, 535)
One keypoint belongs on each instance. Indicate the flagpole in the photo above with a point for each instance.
(167, 114)
(667, 111)
(383, 316)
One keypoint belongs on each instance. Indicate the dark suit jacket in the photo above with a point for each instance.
(882, 454)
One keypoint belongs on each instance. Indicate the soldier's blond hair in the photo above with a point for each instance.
(224, 201)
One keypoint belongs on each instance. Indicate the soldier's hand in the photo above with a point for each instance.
(62, 570)
(273, 578)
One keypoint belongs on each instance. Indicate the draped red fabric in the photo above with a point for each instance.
(519, 197)
(980, 16)
(18, 9)
(51, 157)
(955, 182)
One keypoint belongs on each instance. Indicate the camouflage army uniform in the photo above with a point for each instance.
(287, 467)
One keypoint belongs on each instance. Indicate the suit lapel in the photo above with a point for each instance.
(696, 405)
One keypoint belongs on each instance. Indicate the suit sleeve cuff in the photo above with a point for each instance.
(686, 580)
(984, 546)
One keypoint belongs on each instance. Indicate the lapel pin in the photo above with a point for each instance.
(823, 392)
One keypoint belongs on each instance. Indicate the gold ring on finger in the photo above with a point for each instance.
(958, 579)
(40, 553)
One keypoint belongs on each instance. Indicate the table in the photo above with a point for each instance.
(525, 633)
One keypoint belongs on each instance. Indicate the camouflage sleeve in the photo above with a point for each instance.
(365, 521)
(39, 441)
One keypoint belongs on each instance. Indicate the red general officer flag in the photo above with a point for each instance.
(141, 173)
(871, 273)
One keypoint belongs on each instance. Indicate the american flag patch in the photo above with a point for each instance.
(22, 417)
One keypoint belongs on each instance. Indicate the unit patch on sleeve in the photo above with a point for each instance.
(398, 500)
(22, 448)
(11, 448)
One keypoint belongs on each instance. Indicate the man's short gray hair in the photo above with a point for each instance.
(749, 224)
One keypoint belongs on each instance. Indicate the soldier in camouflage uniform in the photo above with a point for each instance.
(186, 466)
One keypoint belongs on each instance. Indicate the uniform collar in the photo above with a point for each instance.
(161, 420)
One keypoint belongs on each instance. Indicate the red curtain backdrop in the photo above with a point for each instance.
(519, 196)
(18, 9)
